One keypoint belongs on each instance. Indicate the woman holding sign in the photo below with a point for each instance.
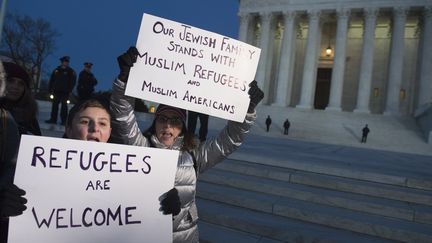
(12, 202)
(169, 131)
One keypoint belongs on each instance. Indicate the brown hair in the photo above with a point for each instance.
(80, 106)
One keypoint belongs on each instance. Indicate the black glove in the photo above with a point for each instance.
(126, 61)
(255, 95)
(12, 202)
(170, 203)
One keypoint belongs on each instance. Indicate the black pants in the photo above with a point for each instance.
(363, 140)
(286, 131)
(59, 98)
(192, 122)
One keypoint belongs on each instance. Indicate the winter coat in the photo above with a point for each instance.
(86, 84)
(268, 121)
(207, 154)
(287, 124)
(8, 147)
(62, 80)
(9, 143)
(365, 131)
(24, 113)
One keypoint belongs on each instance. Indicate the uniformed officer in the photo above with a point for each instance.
(86, 82)
(61, 84)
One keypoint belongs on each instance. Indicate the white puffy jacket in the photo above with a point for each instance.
(207, 154)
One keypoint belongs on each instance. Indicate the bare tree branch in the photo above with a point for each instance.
(28, 42)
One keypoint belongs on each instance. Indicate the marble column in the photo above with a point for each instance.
(286, 63)
(337, 79)
(396, 62)
(261, 74)
(244, 26)
(425, 80)
(311, 58)
(366, 66)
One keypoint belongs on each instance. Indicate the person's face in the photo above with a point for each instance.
(91, 124)
(65, 63)
(168, 127)
(15, 88)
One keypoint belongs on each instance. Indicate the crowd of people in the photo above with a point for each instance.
(113, 120)
(95, 119)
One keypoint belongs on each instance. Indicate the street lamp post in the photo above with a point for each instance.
(2, 16)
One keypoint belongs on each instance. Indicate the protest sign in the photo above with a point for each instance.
(191, 68)
(80, 191)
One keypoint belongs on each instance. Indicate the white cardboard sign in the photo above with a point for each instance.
(191, 68)
(81, 191)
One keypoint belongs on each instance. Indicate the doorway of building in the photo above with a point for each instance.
(322, 89)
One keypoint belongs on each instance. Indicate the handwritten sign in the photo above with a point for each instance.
(81, 191)
(191, 68)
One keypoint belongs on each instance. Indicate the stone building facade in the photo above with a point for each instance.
(369, 56)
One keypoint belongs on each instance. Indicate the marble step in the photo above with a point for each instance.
(275, 227)
(401, 193)
(212, 233)
(382, 173)
(347, 200)
(328, 216)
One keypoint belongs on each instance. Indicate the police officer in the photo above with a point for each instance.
(61, 84)
(86, 82)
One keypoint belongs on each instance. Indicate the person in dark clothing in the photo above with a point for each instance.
(12, 202)
(365, 132)
(268, 123)
(286, 126)
(192, 122)
(86, 82)
(19, 101)
(61, 84)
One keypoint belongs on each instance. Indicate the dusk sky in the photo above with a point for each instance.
(98, 31)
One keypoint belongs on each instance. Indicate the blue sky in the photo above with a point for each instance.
(98, 31)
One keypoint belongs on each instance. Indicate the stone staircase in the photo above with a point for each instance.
(285, 189)
(241, 201)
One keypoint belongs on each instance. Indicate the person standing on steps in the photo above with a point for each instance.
(365, 132)
(286, 126)
(268, 123)
(61, 84)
